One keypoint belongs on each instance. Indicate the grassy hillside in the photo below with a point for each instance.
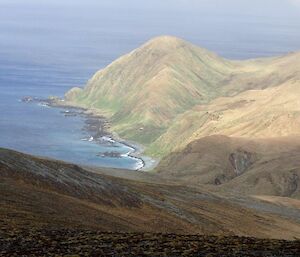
(146, 89)
(169, 87)
(43, 194)
(260, 113)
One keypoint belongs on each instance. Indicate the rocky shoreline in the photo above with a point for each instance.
(96, 126)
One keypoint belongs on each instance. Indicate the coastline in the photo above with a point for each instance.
(146, 163)
(97, 126)
(149, 163)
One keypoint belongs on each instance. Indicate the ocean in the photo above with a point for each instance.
(47, 47)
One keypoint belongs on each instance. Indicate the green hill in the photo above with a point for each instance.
(145, 90)
(169, 87)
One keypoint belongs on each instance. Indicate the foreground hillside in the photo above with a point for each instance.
(169, 87)
(44, 194)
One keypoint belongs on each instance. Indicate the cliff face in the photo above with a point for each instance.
(241, 161)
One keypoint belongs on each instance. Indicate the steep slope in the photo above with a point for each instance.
(145, 89)
(43, 194)
(162, 89)
(239, 166)
(270, 112)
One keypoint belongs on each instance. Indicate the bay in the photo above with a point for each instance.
(47, 47)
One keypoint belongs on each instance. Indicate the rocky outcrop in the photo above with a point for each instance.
(241, 161)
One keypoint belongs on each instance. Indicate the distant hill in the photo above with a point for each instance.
(169, 87)
(44, 194)
(146, 89)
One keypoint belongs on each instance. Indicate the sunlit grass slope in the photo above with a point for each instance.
(169, 92)
(147, 88)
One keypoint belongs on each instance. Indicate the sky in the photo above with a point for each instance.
(93, 30)
(295, 2)
(225, 5)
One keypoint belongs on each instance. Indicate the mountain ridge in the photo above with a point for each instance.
(170, 87)
(145, 88)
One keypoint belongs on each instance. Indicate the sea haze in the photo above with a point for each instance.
(47, 47)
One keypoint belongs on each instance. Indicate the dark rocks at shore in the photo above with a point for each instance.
(110, 154)
(52, 102)
(71, 113)
(27, 99)
(97, 127)
(67, 242)
(31, 99)
(48, 101)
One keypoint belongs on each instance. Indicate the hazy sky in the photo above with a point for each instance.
(267, 6)
(93, 30)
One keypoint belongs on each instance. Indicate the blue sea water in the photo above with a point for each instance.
(45, 131)
(47, 47)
